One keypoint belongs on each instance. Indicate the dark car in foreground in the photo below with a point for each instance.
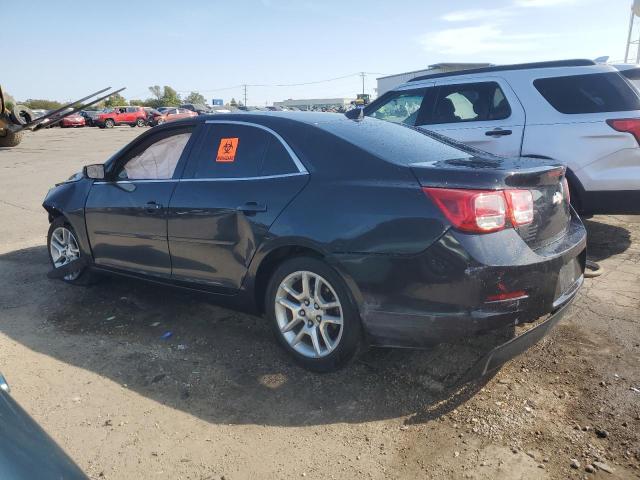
(340, 231)
(26, 451)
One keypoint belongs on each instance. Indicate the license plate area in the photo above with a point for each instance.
(569, 274)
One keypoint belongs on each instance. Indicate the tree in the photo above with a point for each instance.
(137, 103)
(156, 91)
(164, 97)
(196, 98)
(170, 97)
(115, 100)
(233, 103)
(35, 103)
(9, 101)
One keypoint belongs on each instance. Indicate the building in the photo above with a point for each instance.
(315, 103)
(391, 81)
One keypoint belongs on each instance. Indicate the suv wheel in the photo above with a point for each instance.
(312, 314)
(109, 123)
(140, 122)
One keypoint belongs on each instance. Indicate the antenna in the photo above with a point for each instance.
(635, 12)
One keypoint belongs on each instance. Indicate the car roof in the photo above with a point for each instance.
(503, 68)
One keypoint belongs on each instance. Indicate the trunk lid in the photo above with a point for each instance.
(543, 178)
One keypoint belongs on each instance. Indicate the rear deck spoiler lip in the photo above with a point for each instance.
(486, 173)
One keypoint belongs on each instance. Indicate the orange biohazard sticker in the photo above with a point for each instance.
(227, 150)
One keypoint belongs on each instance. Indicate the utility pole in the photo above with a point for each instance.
(245, 94)
(363, 75)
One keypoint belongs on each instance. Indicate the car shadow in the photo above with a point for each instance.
(179, 349)
(605, 240)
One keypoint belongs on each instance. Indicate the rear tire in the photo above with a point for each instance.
(109, 123)
(317, 324)
(11, 139)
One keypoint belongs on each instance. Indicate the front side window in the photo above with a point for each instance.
(401, 108)
(158, 161)
(592, 93)
(470, 102)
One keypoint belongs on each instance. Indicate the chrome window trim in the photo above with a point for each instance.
(179, 180)
(291, 153)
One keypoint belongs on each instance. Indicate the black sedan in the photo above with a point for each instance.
(340, 231)
(26, 451)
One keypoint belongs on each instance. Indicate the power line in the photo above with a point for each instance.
(244, 85)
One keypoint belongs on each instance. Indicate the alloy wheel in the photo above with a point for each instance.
(64, 249)
(309, 314)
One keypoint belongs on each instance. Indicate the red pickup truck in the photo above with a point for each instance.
(132, 116)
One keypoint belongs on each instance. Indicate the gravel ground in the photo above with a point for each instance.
(219, 399)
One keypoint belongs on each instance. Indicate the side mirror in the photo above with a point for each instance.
(95, 172)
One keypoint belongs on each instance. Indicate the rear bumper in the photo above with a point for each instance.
(514, 347)
(442, 294)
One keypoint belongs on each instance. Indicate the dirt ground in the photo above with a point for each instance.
(219, 399)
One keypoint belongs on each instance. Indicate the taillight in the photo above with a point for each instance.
(628, 125)
(483, 211)
(478, 211)
(520, 204)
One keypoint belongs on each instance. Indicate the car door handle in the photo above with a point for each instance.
(153, 207)
(251, 208)
(497, 132)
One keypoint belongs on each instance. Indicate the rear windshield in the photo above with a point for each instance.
(392, 142)
(592, 93)
(633, 75)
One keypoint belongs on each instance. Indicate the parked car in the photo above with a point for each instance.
(132, 116)
(582, 114)
(340, 231)
(150, 113)
(170, 115)
(38, 112)
(90, 116)
(197, 107)
(26, 451)
(73, 120)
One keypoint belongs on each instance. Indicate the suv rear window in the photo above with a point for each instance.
(592, 93)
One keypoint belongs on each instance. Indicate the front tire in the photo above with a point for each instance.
(313, 315)
(63, 246)
(11, 139)
(140, 122)
(108, 123)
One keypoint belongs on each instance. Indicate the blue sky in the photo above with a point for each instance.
(66, 49)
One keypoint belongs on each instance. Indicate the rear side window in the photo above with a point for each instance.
(277, 160)
(400, 108)
(470, 102)
(592, 93)
(228, 151)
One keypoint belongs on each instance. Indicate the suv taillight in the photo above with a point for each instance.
(628, 125)
(483, 211)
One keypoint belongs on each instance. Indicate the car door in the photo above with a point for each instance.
(238, 178)
(483, 113)
(126, 215)
(132, 114)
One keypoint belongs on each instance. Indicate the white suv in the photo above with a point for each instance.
(582, 114)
